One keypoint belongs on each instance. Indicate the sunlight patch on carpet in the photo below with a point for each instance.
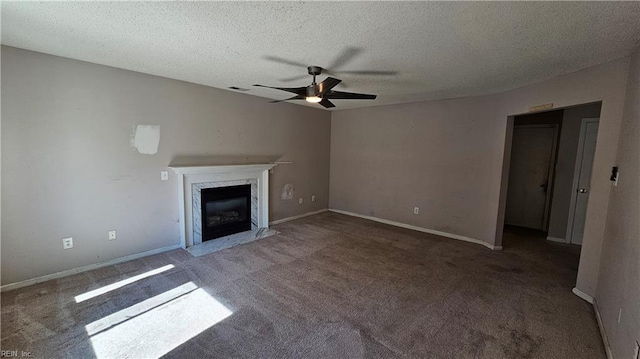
(139, 308)
(108, 288)
(157, 331)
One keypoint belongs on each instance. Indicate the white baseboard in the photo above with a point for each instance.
(603, 333)
(44, 278)
(420, 229)
(556, 239)
(278, 221)
(582, 295)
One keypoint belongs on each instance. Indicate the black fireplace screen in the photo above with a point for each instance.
(225, 210)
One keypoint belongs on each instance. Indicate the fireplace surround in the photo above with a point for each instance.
(192, 180)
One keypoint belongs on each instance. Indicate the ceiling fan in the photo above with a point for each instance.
(320, 92)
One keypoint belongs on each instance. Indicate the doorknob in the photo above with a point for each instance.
(582, 190)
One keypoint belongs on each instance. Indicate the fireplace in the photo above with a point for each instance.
(225, 211)
(193, 179)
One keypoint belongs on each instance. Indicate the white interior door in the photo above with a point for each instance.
(582, 179)
(528, 193)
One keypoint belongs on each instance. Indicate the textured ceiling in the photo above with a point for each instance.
(439, 50)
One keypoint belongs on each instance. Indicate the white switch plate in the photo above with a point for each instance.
(67, 243)
(164, 175)
(112, 235)
(416, 210)
(313, 198)
(300, 200)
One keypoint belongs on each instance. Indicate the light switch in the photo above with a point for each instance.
(164, 175)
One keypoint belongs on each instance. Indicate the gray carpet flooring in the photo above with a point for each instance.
(327, 286)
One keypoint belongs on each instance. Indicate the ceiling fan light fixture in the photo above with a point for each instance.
(313, 95)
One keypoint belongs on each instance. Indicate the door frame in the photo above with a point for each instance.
(576, 175)
(551, 171)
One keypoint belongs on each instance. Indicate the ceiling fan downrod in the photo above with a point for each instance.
(314, 71)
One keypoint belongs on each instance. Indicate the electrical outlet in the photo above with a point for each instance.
(416, 210)
(313, 198)
(67, 243)
(164, 175)
(112, 235)
(300, 200)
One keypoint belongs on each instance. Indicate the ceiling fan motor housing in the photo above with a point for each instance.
(314, 70)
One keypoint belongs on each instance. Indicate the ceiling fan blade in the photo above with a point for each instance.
(288, 99)
(346, 56)
(280, 60)
(370, 73)
(331, 73)
(300, 91)
(326, 103)
(328, 84)
(339, 95)
(289, 79)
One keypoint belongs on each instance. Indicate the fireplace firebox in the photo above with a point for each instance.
(225, 211)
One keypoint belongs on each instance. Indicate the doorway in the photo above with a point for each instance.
(549, 172)
(532, 170)
(533, 155)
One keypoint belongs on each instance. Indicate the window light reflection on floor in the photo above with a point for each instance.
(156, 326)
(123, 315)
(108, 288)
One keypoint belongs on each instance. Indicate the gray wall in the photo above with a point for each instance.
(447, 158)
(619, 281)
(69, 170)
(565, 166)
(433, 155)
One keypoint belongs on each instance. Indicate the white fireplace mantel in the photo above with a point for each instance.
(190, 175)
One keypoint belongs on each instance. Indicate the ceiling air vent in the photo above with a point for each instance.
(238, 88)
